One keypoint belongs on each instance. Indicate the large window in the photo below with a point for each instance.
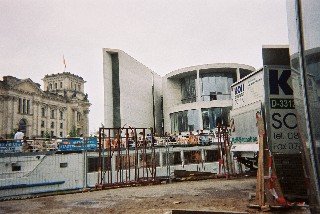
(52, 114)
(188, 89)
(216, 86)
(93, 164)
(78, 116)
(43, 112)
(192, 157)
(24, 106)
(23, 126)
(185, 121)
(211, 155)
(211, 117)
(172, 158)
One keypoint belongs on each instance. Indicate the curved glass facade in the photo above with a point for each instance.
(199, 97)
(216, 86)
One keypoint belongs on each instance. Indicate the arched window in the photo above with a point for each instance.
(23, 126)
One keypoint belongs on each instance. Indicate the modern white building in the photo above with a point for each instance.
(199, 97)
(132, 92)
(188, 99)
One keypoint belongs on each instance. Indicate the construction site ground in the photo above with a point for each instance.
(224, 195)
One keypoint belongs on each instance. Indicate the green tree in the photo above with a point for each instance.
(73, 132)
(11, 135)
(47, 134)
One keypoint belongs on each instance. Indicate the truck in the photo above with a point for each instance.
(267, 95)
(247, 100)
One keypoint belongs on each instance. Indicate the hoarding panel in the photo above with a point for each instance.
(281, 116)
(77, 144)
(247, 96)
(248, 91)
(244, 129)
(10, 146)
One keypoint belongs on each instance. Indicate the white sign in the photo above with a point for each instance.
(248, 91)
(280, 110)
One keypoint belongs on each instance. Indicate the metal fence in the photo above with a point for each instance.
(118, 157)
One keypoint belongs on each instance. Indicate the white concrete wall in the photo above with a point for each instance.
(136, 99)
(108, 98)
(171, 97)
(39, 171)
(157, 102)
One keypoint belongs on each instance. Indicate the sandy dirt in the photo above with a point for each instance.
(208, 195)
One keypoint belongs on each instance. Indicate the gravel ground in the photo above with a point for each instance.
(208, 195)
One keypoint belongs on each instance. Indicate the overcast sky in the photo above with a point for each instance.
(164, 35)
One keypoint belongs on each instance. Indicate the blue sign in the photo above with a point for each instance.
(73, 144)
(7, 146)
(239, 89)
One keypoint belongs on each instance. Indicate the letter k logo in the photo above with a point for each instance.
(276, 82)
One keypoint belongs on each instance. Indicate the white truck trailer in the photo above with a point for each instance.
(247, 99)
(268, 94)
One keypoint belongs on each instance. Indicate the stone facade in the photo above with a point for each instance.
(58, 109)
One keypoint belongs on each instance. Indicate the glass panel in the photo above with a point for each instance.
(193, 120)
(211, 117)
(205, 119)
(211, 155)
(216, 86)
(192, 157)
(173, 158)
(93, 163)
(184, 121)
(188, 89)
(310, 20)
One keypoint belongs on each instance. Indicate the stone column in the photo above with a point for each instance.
(35, 119)
(182, 157)
(86, 122)
(76, 120)
(48, 116)
(199, 99)
(2, 116)
(13, 119)
(238, 73)
(39, 119)
(198, 88)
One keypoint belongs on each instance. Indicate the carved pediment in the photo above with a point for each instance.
(28, 86)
